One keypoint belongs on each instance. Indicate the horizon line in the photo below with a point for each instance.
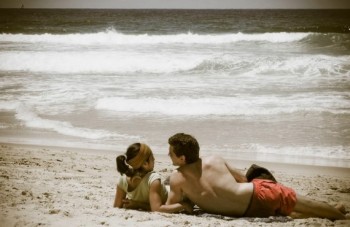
(178, 8)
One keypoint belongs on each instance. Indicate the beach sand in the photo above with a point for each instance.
(53, 186)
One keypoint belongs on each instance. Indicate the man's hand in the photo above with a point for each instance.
(187, 207)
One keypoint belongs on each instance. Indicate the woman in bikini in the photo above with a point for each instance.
(139, 187)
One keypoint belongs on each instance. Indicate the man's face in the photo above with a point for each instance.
(177, 161)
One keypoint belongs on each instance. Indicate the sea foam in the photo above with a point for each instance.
(227, 106)
(128, 61)
(115, 38)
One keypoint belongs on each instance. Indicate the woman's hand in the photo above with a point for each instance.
(129, 204)
(132, 204)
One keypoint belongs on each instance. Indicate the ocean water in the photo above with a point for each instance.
(268, 85)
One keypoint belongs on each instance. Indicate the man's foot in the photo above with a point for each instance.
(296, 215)
(341, 208)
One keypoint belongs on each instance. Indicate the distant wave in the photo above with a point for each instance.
(332, 152)
(33, 120)
(111, 37)
(310, 64)
(227, 106)
(106, 61)
(97, 61)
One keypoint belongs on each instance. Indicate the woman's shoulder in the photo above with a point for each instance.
(121, 178)
(152, 176)
(122, 182)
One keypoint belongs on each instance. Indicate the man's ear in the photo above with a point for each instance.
(183, 159)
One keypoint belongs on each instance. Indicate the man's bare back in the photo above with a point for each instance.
(210, 185)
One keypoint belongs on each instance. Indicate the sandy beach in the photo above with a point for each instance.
(53, 186)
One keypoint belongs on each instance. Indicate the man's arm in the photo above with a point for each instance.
(174, 202)
(237, 174)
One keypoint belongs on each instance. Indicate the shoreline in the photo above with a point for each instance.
(240, 163)
(53, 186)
(245, 157)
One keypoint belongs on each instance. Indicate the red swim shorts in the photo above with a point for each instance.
(270, 199)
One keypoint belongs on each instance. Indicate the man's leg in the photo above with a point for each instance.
(312, 208)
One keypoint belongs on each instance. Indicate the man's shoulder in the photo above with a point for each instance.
(175, 174)
(212, 158)
(176, 177)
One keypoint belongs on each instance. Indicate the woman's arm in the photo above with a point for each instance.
(132, 204)
(155, 198)
(121, 201)
(120, 195)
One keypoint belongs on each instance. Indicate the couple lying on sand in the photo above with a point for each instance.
(212, 184)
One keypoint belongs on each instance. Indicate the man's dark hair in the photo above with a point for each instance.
(186, 145)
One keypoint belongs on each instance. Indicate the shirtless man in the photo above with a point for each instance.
(216, 187)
